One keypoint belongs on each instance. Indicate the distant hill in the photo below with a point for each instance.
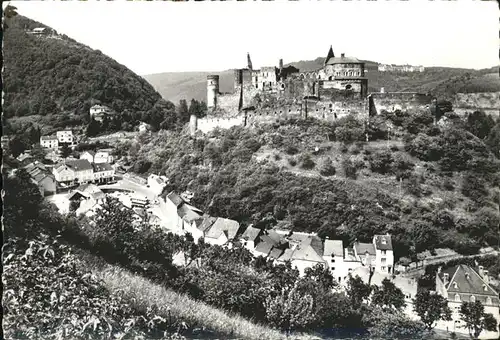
(52, 79)
(186, 85)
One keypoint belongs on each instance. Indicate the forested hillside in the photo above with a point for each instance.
(51, 79)
(430, 186)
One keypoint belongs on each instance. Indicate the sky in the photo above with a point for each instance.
(156, 36)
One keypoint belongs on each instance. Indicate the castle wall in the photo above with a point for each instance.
(488, 102)
(404, 101)
(228, 102)
(208, 124)
(332, 110)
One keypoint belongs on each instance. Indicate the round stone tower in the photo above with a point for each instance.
(212, 91)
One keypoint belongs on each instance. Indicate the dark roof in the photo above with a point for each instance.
(251, 234)
(206, 223)
(383, 242)
(188, 214)
(467, 280)
(49, 137)
(90, 152)
(174, 198)
(363, 248)
(275, 253)
(264, 247)
(329, 55)
(79, 164)
(42, 175)
(223, 225)
(343, 60)
(310, 249)
(77, 194)
(102, 167)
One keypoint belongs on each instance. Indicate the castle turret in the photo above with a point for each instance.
(249, 62)
(212, 91)
(193, 124)
(330, 54)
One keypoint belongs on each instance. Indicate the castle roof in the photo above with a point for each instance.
(467, 281)
(329, 55)
(342, 60)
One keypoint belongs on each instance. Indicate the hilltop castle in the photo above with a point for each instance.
(340, 78)
(271, 93)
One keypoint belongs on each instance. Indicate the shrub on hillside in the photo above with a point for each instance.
(292, 161)
(350, 168)
(306, 161)
(326, 167)
(381, 161)
(291, 150)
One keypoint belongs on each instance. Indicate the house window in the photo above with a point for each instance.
(485, 288)
(384, 252)
(488, 301)
(383, 260)
(455, 285)
(457, 297)
(472, 298)
(382, 268)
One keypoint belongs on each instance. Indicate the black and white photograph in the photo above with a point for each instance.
(258, 170)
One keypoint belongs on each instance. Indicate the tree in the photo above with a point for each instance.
(326, 167)
(476, 320)
(381, 162)
(182, 112)
(388, 296)
(18, 144)
(93, 128)
(307, 162)
(357, 291)
(350, 169)
(38, 153)
(389, 324)
(65, 151)
(480, 124)
(431, 307)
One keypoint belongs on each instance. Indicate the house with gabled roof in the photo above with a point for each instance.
(378, 254)
(222, 231)
(103, 172)
(49, 142)
(88, 155)
(463, 283)
(250, 236)
(179, 214)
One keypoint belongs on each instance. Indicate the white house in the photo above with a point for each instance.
(65, 137)
(157, 183)
(180, 215)
(64, 174)
(143, 127)
(98, 112)
(464, 284)
(333, 254)
(249, 238)
(104, 156)
(222, 231)
(88, 155)
(384, 255)
(103, 172)
(49, 142)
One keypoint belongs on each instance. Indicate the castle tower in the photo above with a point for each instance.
(249, 62)
(193, 124)
(238, 78)
(330, 54)
(281, 65)
(212, 91)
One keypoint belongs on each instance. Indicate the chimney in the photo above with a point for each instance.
(486, 277)
(281, 64)
(342, 55)
(481, 271)
(445, 278)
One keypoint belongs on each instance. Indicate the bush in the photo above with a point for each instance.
(292, 161)
(448, 184)
(277, 157)
(381, 162)
(306, 162)
(326, 167)
(291, 150)
(350, 168)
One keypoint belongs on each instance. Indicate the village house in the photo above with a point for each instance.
(42, 177)
(65, 137)
(222, 231)
(98, 112)
(5, 141)
(88, 155)
(181, 215)
(157, 183)
(25, 158)
(462, 283)
(378, 254)
(71, 171)
(88, 197)
(144, 127)
(103, 172)
(49, 142)
(250, 237)
(104, 156)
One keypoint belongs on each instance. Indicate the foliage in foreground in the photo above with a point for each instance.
(47, 296)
